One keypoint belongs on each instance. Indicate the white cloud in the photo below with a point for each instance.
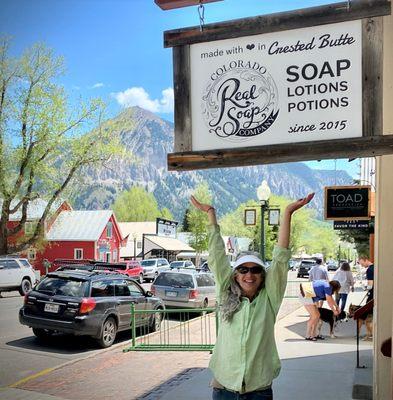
(97, 85)
(137, 96)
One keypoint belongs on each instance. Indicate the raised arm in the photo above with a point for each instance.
(285, 226)
(218, 260)
(276, 277)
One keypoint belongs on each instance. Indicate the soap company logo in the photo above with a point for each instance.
(240, 100)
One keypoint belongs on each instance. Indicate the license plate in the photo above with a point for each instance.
(53, 308)
(171, 294)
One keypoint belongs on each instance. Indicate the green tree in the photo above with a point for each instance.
(185, 227)
(136, 205)
(43, 143)
(232, 224)
(320, 238)
(197, 220)
(166, 214)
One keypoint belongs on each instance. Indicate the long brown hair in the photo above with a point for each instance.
(335, 285)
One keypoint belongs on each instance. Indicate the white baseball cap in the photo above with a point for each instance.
(248, 258)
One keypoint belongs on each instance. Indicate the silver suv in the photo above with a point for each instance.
(153, 266)
(16, 274)
(185, 288)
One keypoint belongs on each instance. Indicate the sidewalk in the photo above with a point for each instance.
(308, 370)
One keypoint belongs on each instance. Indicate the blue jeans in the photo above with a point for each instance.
(223, 394)
(343, 298)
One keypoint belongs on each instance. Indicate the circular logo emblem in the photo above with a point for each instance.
(240, 101)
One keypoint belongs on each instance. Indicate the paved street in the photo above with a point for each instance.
(24, 355)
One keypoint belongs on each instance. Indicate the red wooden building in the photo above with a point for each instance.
(83, 235)
(72, 234)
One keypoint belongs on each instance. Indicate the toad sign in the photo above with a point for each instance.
(240, 101)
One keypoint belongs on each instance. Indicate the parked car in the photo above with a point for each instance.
(16, 274)
(304, 268)
(153, 266)
(332, 266)
(204, 267)
(293, 265)
(185, 289)
(181, 264)
(88, 302)
(132, 268)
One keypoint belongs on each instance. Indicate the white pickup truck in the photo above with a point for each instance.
(16, 274)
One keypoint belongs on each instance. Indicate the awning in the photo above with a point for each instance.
(153, 242)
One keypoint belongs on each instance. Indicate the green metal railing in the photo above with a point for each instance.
(182, 329)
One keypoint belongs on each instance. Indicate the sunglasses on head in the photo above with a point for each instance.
(254, 270)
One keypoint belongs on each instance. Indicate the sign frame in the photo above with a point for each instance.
(250, 213)
(171, 226)
(371, 143)
(274, 216)
(346, 218)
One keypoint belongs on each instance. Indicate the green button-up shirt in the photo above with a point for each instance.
(245, 356)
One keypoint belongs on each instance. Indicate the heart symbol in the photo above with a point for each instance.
(250, 46)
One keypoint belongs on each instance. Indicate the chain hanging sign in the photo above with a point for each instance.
(293, 86)
(347, 203)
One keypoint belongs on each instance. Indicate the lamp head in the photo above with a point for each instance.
(263, 191)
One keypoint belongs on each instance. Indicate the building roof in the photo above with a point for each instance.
(137, 228)
(79, 225)
(167, 243)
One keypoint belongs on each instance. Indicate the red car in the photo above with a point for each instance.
(131, 268)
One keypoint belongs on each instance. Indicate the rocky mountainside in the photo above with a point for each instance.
(149, 138)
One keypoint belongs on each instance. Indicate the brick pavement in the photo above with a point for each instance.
(132, 375)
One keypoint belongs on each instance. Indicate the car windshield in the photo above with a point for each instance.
(174, 280)
(25, 263)
(148, 263)
(177, 264)
(63, 287)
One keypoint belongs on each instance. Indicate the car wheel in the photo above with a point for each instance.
(25, 286)
(155, 321)
(140, 278)
(108, 333)
(42, 333)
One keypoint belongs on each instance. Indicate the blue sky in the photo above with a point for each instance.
(114, 48)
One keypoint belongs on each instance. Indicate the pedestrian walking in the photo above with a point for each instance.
(365, 262)
(347, 283)
(245, 359)
(318, 271)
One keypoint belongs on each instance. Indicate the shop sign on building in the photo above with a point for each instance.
(291, 86)
(165, 227)
(355, 224)
(346, 203)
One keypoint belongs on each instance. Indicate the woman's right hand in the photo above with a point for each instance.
(201, 206)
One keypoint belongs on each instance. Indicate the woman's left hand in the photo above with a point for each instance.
(296, 205)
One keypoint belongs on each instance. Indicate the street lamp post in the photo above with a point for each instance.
(134, 237)
(263, 193)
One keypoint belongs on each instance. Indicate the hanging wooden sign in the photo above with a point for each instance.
(347, 203)
(294, 86)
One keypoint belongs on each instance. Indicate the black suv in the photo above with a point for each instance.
(304, 268)
(86, 302)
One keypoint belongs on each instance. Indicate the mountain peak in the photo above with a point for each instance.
(150, 138)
